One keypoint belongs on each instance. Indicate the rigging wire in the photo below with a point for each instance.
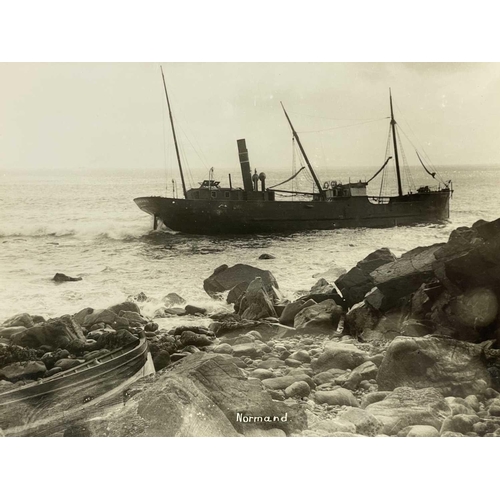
(406, 169)
(387, 154)
(343, 126)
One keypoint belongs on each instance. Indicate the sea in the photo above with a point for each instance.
(87, 225)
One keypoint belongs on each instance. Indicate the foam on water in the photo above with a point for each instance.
(91, 228)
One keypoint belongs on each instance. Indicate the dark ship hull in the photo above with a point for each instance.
(263, 216)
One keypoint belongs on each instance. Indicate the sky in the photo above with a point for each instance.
(113, 116)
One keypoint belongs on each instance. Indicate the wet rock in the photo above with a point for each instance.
(455, 368)
(341, 356)
(365, 423)
(9, 331)
(140, 297)
(161, 360)
(376, 259)
(321, 318)
(292, 309)
(22, 319)
(256, 303)
(224, 278)
(133, 316)
(235, 294)
(407, 406)
(188, 337)
(338, 396)
(405, 275)
(194, 310)
(60, 278)
(173, 299)
(23, 370)
(110, 340)
(354, 285)
(151, 327)
(360, 317)
(266, 256)
(55, 333)
(322, 287)
(125, 307)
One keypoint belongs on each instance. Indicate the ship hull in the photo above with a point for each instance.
(208, 217)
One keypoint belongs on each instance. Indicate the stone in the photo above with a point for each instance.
(114, 340)
(272, 363)
(256, 303)
(341, 356)
(23, 319)
(224, 278)
(373, 397)
(365, 423)
(125, 306)
(421, 431)
(354, 285)
(223, 349)
(287, 380)
(133, 316)
(67, 363)
(188, 337)
(194, 310)
(405, 275)
(262, 373)
(173, 299)
(376, 259)
(9, 331)
(266, 256)
(406, 406)
(328, 376)
(252, 350)
(293, 363)
(23, 370)
(360, 317)
(235, 294)
(264, 433)
(454, 367)
(322, 287)
(459, 423)
(161, 360)
(151, 327)
(58, 332)
(336, 397)
(321, 318)
(60, 278)
(331, 426)
(298, 389)
(473, 402)
(292, 309)
(366, 371)
(302, 356)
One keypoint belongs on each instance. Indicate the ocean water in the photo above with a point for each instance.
(88, 226)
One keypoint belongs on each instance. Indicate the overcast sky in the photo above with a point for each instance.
(113, 116)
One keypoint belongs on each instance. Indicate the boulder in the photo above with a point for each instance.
(366, 371)
(224, 278)
(376, 259)
(23, 370)
(322, 286)
(321, 318)
(365, 423)
(292, 309)
(234, 295)
(123, 307)
(256, 303)
(336, 397)
(67, 363)
(419, 431)
(188, 337)
(60, 278)
(9, 331)
(332, 426)
(58, 332)
(454, 367)
(407, 406)
(266, 256)
(360, 317)
(341, 356)
(286, 381)
(133, 316)
(405, 275)
(194, 310)
(354, 285)
(173, 299)
(23, 319)
(298, 389)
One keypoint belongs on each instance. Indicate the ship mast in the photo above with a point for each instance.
(393, 125)
(313, 173)
(173, 133)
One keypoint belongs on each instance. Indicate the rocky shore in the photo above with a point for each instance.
(404, 346)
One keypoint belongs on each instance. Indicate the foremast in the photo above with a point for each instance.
(393, 125)
(175, 137)
(313, 173)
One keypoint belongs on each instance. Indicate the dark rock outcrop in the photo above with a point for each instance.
(60, 278)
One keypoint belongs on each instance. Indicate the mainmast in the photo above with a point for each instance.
(313, 173)
(393, 125)
(175, 138)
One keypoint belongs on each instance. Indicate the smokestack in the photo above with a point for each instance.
(255, 179)
(246, 173)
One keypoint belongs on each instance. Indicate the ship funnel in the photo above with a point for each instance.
(262, 177)
(246, 173)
